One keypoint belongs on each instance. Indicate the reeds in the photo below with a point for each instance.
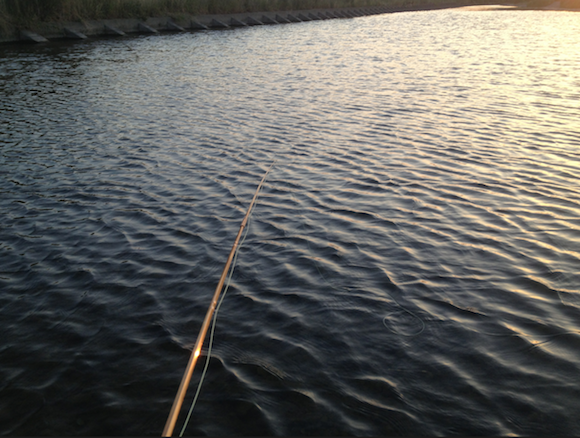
(50, 10)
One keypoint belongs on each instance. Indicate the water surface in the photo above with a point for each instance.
(411, 267)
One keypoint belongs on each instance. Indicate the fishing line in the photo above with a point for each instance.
(196, 352)
(399, 332)
(211, 335)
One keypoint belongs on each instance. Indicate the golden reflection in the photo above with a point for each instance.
(518, 332)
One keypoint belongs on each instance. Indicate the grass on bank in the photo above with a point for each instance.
(16, 14)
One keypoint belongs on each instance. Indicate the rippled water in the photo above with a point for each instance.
(411, 267)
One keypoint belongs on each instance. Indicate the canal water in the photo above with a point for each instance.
(412, 265)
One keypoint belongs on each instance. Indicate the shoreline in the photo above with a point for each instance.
(61, 30)
(45, 32)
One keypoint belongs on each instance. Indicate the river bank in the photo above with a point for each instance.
(43, 31)
(38, 28)
(40, 21)
(26, 14)
(36, 25)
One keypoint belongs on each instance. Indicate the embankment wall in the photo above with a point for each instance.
(43, 32)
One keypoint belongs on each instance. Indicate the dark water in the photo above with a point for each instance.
(412, 265)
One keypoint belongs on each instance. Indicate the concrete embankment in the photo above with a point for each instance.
(44, 32)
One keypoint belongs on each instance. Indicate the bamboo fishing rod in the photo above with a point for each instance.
(178, 401)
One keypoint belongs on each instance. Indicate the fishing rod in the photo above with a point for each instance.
(178, 401)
